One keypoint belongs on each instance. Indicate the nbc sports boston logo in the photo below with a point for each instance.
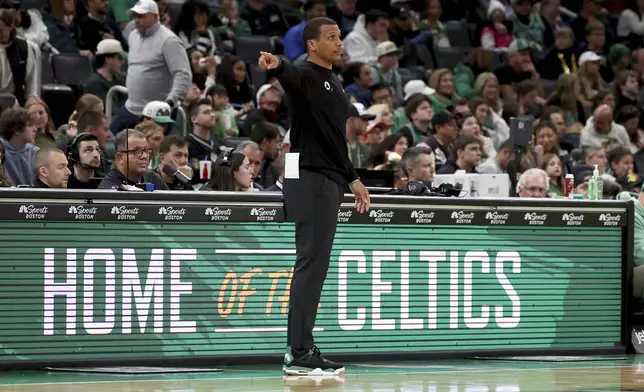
(344, 216)
(262, 214)
(172, 214)
(462, 217)
(572, 219)
(82, 212)
(535, 219)
(33, 212)
(610, 219)
(497, 218)
(219, 214)
(381, 216)
(124, 212)
(420, 216)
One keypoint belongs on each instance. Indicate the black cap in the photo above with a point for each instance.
(583, 176)
(629, 182)
(443, 117)
(353, 112)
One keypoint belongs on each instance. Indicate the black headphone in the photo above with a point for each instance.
(225, 159)
(418, 188)
(73, 153)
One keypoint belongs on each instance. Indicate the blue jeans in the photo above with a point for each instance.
(123, 119)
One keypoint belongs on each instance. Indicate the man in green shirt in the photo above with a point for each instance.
(356, 126)
(109, 60)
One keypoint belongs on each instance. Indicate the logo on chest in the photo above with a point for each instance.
(327, 86)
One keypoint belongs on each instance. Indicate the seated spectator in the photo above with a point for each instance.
(529, 99)
(604, 97)
(611, 190)
(173, 153)
(442, 80)
(418, 164)
(630, 183)
(269, 99)
(96, 123)
(527, 25)
(153, 134)
(87, 102)
(402, 25)
(368, 31)
(552, 165)
(626, 90)
(192, 28)
(265, 18)
(61, 22)
(478, 61)
(492, 124)
(383, 95)
(469, 125)
(375, 134)
(387, 154)
(109, 60)
(358, 76)
(518, 69)
(602, 131)
(629, 117)
(17, 134)
(445, 133)
(225, 114)
(590, 77)
(255, 157)
(41, 117)
(203, 144)
(267, 137)
(486, 86)
(433, 12)
(164, 18)
(620, 161)
(132, 161)
(345, 15)
(594, 156)
(562, 57)
(17, 61)
(500, 162)
(158, 112)
(385, 71)
(591, 10)
(279, 166)
(595, 37)
(204, 69)
(546, 141)
(384, 118)
(533, 183)
(496, 35)
(29, 25)
(228, 24)
(619, 59)
(552, 19)
(293, 42)
(231, 173)
(566, 96)
(5, 181)
(582, 177)
(356, 126)
(96, 26)
(50, 166)
(418, 109)
(84, 156)
(467, 156)
(630, 23)
(231, 74)
(555, 116)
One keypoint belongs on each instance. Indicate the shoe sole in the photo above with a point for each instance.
(317, 372)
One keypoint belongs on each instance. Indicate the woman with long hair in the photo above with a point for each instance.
(231, 173)
(487, 87)
(387, 154)
(552, 165)
(546, 141)
(566, 96)
(478, 61)
(590, 78)
(192, 28)
(442, 80)
(154, 135)
(41, 117)
(232, 74)
(468, 124)
(629, 117)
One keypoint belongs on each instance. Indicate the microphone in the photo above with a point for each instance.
(176, 175)
(84, 165)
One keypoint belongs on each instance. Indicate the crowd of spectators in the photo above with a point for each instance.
(433, 85)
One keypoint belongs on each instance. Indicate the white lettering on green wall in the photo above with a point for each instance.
(485, 289)
(145, 293)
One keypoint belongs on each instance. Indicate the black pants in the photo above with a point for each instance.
(312, 202)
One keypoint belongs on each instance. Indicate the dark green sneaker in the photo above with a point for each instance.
(311, 363)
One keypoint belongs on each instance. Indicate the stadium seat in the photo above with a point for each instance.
(47, 71)
(406, 75)
(458, 34)
(70, 69)
(233, 142)
(257, 75)
(61, 100)
(7, 101)
(449, 57)
(549, 86)
(248, 48)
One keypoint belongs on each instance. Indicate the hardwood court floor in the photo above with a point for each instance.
(435, 376)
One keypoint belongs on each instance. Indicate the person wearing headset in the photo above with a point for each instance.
(84, 157)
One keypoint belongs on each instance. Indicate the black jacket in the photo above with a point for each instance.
(115, 178)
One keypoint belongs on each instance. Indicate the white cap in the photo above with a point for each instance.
(159, 112)
(109, 46)
(263, 89)
(417, 87)
(588, 56)
(387, 48)
(495, 5)
(143, 7)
